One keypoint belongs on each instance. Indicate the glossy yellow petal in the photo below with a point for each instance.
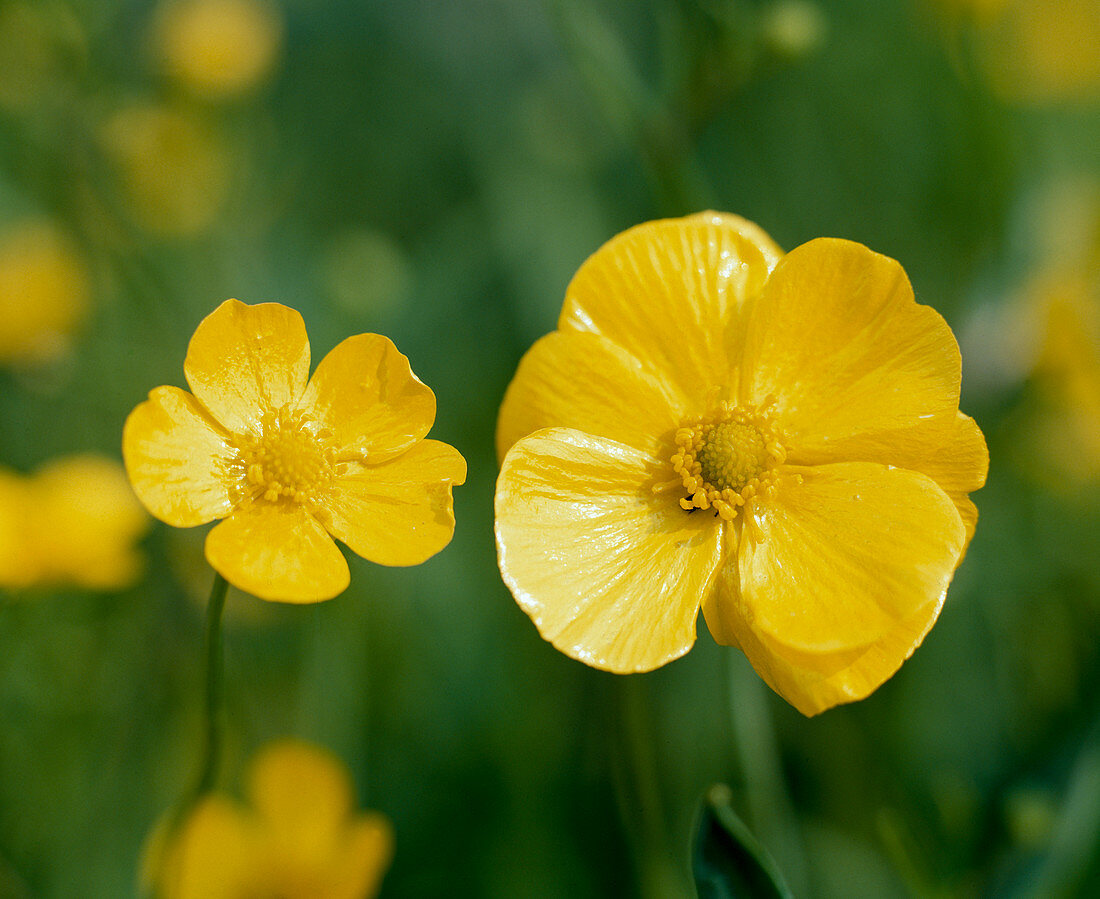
(960, 467)
(609, 572)
(398, 512)
(366, 394)
(811, 682)
(210, 856)
(723, 610)
(858, 369)
(843, 553)
(816, 682)
(245, 360)
(961, 464)
(277, 551)
(304, 793)
(588, 383)
(175, 457)
(672, 294)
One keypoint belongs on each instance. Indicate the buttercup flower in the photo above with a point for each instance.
(73, 522)
(172, 167)
(286, 460)
(775, 439)
(300, 839)
(217, 48)
(1036, 50)
(45, 291)
(1059, 309)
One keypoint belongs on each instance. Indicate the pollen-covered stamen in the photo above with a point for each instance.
(290, 458)
(727, 458)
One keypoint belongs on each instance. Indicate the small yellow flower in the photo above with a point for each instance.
(1062, 308)
(1037, 50)
(299, 840)
(172, 168)
(775, 439)
(44, 292)
(73, 522)
(286, 460)
(217, 48)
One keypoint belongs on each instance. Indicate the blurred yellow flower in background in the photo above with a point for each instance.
(301, 838)
(45, 290)
(286, 460)
(775, 439)
(73, 522)
(1068, 371)
(172, 168)
(217, 48)
(1038, 50)
(1059, 309)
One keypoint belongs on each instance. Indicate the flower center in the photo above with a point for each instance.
(290, 457)
(731, 453)
(726, 458)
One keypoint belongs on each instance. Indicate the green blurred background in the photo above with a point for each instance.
(436, 171)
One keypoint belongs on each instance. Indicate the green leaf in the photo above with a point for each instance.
(727, 860)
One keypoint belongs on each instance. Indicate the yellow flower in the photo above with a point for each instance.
(219, 48)
(173, 170)
(1037, 50)
(1062, 307)
(775, 439)
(44, 292)
(300, 839)
(287, 460)
(74, 521)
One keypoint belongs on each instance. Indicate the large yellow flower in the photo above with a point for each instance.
(775, 439)
(300, 840)
(286, 460)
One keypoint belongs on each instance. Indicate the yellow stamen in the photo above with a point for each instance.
(290, 458)
(726, 459)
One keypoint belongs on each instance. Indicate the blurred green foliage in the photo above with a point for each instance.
(436, 171)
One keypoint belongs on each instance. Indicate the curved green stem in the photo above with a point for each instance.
(211, 755)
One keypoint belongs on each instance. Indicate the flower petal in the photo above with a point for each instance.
(398, 512)
(175, 457)
(369, 850)
(816, 682)
(277, 551)
(857, 367)
(86, 522)
(814, 679)
(304, 792)
(670, 293)
(585, 382)
(365, 392)
(245, 360)
(212, 855)
(19, 562)
(959, 467)
(609, 572)
(834, 563)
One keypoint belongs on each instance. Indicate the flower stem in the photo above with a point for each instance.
(211, 754)
(770, 813)
(638, 786)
